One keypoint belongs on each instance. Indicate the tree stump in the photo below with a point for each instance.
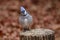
(37, 34)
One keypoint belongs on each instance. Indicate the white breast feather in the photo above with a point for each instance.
(26, 22)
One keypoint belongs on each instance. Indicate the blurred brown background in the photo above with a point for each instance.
(46, 14)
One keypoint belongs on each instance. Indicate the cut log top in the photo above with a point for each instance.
(37, 32)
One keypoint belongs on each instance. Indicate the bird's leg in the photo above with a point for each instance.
(26, 29)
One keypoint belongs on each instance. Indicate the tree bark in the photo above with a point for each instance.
(37, 34)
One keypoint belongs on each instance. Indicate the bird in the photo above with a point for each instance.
(25, 19)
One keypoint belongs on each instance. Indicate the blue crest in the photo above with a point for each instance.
(23, 11)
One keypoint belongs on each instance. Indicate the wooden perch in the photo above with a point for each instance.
(37, 34)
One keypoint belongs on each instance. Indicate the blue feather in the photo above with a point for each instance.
(23, 11)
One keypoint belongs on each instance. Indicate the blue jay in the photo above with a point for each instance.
(25, 19)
